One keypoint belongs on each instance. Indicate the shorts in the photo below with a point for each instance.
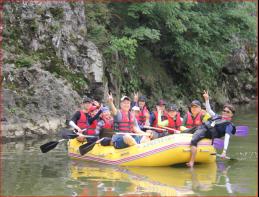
(119, 143)
(198, 135)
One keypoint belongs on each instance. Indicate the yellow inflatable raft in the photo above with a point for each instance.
(165, 151)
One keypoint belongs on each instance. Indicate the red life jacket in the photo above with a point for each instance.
(108, 124)
(164, 116)
(175, 124)
(197, 121)
(82, 122)
(141, 117)
(126, 123)
(91, 128)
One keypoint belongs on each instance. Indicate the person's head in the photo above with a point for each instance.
(172, 110)
(161, 103)
(135, 110)
(86, 103)
(195, 107)
(125, 103)
(106, 112)
(228, 111)
(142, 101)
(93, 110)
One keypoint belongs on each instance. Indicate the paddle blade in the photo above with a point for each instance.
(48, 146)
(241, 131)
(85, 148)
(218, 143)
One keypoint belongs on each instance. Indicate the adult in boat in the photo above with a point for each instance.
(174, 120)
(143, 116)
(217, 127)
(125, 122)
(154, 118)
(83, 120)
(195, 117)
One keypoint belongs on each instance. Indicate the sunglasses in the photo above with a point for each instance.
(227, 111)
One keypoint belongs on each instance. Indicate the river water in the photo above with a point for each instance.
(28, 172)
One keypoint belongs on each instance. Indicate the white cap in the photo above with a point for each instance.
(125, 98)
(135, 108)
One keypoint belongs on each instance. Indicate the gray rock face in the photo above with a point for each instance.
(50, 60)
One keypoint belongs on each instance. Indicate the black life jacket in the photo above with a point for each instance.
(217, 126)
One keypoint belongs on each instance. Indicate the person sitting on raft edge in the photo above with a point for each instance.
(217, 127)
(125, 122)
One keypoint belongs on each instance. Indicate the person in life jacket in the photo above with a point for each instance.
(82, 119)
(105, 125)
(125, 122)
(216, 127)
(173, 121)
(154, 118)
(143, 116)
(195, 117)
(135, 112)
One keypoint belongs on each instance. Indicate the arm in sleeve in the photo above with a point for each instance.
(91, 119)
(226, 141)
(208, 108)
(161, 123)
(74, 120)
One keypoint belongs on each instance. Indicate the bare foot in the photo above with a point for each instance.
(190, 164)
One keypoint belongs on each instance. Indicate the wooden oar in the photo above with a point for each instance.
(138, 134)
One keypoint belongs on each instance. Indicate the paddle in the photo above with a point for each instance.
(241, 131)
(49, 146)
(154, 128)
(175, 130)
(66, 135)
(85, 148)
(228, 158)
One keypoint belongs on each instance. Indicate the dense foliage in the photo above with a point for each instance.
(191, 40)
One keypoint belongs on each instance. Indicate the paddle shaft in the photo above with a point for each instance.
(140, 134)
(154, 128)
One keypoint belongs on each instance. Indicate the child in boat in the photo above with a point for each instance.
(174, 119)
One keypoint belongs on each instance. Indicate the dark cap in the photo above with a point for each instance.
(173, 107)
(196, 103)
(161, 102)
(142, 98)
(125, 98)
(86, 100)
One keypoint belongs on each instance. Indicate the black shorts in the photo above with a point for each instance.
(198, 135)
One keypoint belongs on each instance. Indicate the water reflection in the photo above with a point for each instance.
(159, 181)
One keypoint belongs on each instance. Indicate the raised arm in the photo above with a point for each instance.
(207, 103)
(111, 105)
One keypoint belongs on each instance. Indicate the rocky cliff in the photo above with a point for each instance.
(48, 65)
